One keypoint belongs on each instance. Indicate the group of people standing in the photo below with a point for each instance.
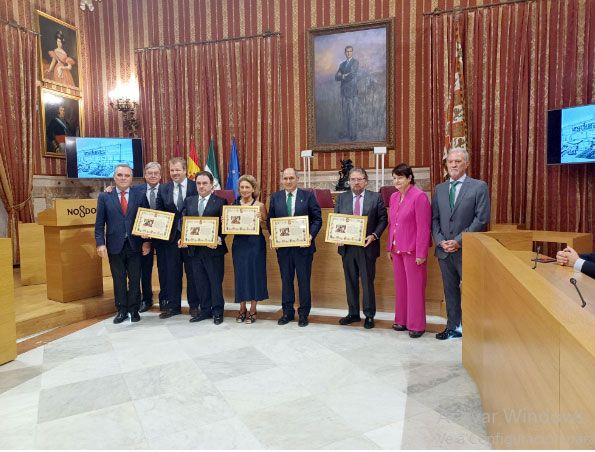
(458, 205)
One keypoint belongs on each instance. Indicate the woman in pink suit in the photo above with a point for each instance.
(409, 221)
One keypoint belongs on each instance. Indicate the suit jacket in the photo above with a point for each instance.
(305, 204)
(213, 208)
(471, 212)
(588, 267)
(117, 225)
(165, 201)
(374, 209)
(349, 83)
(410, 222)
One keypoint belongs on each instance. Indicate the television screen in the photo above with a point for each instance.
(96, 158)
(571, 135)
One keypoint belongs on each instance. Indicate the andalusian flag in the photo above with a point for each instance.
(192, 161)
(211, 166)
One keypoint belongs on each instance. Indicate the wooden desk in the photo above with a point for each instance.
(529, 346)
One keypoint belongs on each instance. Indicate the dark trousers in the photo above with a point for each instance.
(451, 269)
(126, 268)
(208, 275)
(349, 117)
(176, 258)
(355, 265)
(293, 261)
(147, 274)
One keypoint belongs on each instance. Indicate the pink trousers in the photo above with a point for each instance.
(410, 288)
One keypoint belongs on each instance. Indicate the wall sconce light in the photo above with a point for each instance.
(124, 98)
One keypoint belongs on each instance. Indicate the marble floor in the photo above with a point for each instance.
(169, 384)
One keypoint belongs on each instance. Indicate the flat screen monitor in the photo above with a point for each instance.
(571, 135)
(96, 158)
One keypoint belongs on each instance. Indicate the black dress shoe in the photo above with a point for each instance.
(415, 334)
(163, 305)
(369, 323)
(145, 306)
(201, 316)
(218, 319)
(350, 319)
(169, 313)
(120, 317)
(194, 312)
(303, 321)
(448, 334)
(284, 320)
(134, 317)
(399, 327)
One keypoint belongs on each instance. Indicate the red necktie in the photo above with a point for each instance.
(123, 202)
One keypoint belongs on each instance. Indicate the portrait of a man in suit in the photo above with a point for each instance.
(347, 75)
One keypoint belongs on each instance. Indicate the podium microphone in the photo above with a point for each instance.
(573, 282)
(536, 257)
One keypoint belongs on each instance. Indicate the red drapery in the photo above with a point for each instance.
(214, 90)
(520, 61)
(19, 128)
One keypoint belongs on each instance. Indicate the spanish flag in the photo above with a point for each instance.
(192, 161)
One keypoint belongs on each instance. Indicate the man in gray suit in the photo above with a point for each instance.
(347, 75)
(461, 204)
(361, 261)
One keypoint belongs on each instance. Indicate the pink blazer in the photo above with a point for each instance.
(409, 223)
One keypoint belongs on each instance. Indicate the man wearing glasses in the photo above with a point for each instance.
(361, 261)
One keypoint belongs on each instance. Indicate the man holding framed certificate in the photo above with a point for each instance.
(294, 259)
(360, 261)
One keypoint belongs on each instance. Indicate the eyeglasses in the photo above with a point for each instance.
(359, 179)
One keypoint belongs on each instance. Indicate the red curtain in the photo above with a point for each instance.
(19, 128)
(520, 61)
(214, 90)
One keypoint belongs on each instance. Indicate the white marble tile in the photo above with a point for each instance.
(19, 438)
(140, 357)
(17, 411)
(11, 379)
(80, 369)
(115, 427)
(352, 443)
(260, 389)
(68, 348)
(169, 413)
(210, 341)
(287, 351)
(230, 433)
(32, 358)
(233, 363)
(140, 337)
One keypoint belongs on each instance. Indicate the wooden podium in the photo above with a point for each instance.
(72, 266)
(8, 338)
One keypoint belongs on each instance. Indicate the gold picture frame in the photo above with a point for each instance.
(200, 231)
(290, 231)
(241, 220)
(346, 229)
(61, 116)
(155, 224)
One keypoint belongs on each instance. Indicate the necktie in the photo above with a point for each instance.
(180, 201)
(152, 202)
(201, 206)
(357, 210)
(123, 202)
(289, 200)
(451, 194)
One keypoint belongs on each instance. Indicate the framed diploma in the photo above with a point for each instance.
(200, 231)
(241, 220)
(290, 231)
(346, 229)
(153, 223)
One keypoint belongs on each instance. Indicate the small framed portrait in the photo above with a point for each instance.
(61, 117)
(59, 52)
(350, 86)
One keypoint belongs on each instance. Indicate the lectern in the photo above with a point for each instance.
(8, 331)
(72, 266)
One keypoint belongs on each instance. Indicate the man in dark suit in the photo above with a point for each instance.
(170, 198)
(150, 190)
(347, 75)
(207, 261)
(361, 261)
(461, 204)
(295, 260)
(116, 212)
(584, 263)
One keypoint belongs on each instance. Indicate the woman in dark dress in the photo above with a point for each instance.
(249, 256)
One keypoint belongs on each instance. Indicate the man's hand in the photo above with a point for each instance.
(450, 246)
(567, 256)
(146, 248)
(389, 255)
(108, 189)
(369, 240)
(102, 251)
(181, 245)
(213, 247)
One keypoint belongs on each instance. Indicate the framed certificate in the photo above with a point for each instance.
(290, 231)
(346, 229)
(153, 223)
(200, 231)
(241, 220)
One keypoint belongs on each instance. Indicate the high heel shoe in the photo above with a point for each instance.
(251, 318)
(241, 317)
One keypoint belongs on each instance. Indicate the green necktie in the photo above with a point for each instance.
(289, 199)
(451, 194)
